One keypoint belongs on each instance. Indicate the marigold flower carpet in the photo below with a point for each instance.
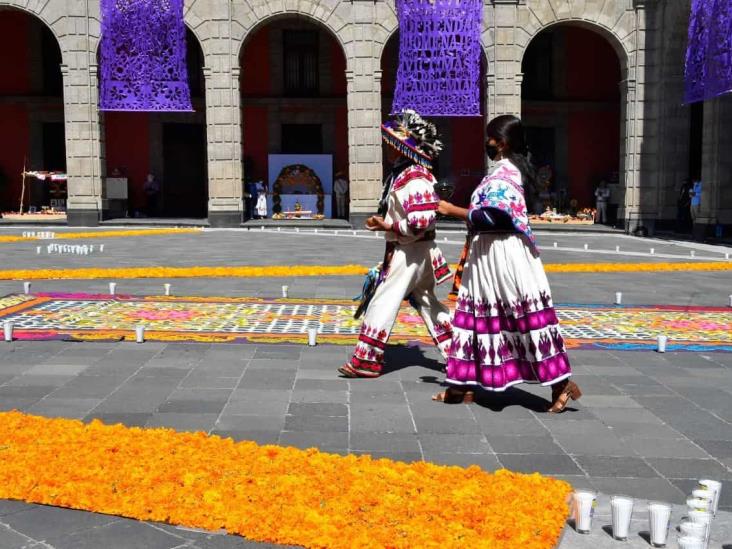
(271, 493)
(238, 320)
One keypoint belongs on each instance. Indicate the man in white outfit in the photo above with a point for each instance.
(413, 264)
(602, 196)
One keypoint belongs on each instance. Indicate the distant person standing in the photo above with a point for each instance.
(602, 196)
(340, 188)
(152, 195)
(695, 195)
(683, 205)
(261, 206)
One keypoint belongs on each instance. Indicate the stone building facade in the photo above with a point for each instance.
(648, 37)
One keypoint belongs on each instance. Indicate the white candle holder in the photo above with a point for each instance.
(713, 485)
(8, 330)
(617, 248)
(653, 251)
(691, 542)
(618, 298)
(692, 253)
(312, 337)
(166, 286)
(555, 245)
(658, 519)
(587, 246)
(622, 511)
(583, 505)
(661, 343)
(101, 248)
(26, 287)
(140, 334)
(285, 291)
(112, 288)
(38, 250)
(730, 300)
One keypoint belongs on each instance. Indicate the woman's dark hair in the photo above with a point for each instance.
(510, 131)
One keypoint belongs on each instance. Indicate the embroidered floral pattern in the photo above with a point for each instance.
(503, 190)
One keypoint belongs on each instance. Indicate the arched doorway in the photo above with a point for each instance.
(293, 97)
(571, 109)
(171, 146)
(31, 110)
(462, 161)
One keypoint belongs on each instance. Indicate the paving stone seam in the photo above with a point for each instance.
(713, 458)
(556, 441)
(231, 393)
(142, 366)
(485, 437)
(28, 539)
(411, 416)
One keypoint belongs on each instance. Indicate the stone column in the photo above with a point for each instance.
(84, 162)
(364, 140)
(716, 202)
(629, 210)
(224, 137)
(504, 58)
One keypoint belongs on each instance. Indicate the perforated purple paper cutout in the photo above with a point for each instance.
(439, 57)
(709, 52)
(143, 56)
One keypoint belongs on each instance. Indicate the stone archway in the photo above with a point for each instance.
(32, 111)
(571, 108)
(293, 97)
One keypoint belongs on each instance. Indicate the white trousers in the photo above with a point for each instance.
(410, 272)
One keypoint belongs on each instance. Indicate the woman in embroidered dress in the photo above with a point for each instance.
(505, 329)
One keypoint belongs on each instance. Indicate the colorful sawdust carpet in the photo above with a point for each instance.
(86, 317)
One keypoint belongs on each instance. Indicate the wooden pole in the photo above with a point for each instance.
(22, 189)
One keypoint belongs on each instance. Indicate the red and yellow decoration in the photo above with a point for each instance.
(271, 493)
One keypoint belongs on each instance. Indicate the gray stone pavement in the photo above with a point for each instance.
(230, 247)
(648, 425)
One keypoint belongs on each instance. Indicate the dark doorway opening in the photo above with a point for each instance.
(54, 146)
(185, 183)
(302, 139)
(696, 131)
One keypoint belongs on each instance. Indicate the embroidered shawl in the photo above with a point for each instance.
(503, 190)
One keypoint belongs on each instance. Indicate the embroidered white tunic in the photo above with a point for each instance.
(416, 265)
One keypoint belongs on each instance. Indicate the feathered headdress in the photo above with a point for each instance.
(413, 136)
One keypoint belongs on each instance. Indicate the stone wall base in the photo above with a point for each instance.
(82, 218)
(225, 219)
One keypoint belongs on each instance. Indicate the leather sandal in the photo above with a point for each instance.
(455, 396)
(561, 395)
(347, 370)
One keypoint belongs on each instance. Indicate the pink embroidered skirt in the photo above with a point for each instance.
(505, 329)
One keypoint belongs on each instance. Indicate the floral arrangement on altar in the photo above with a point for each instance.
(587, 214)
(297, 179)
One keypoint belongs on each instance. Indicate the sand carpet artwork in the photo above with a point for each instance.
(89, 317)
